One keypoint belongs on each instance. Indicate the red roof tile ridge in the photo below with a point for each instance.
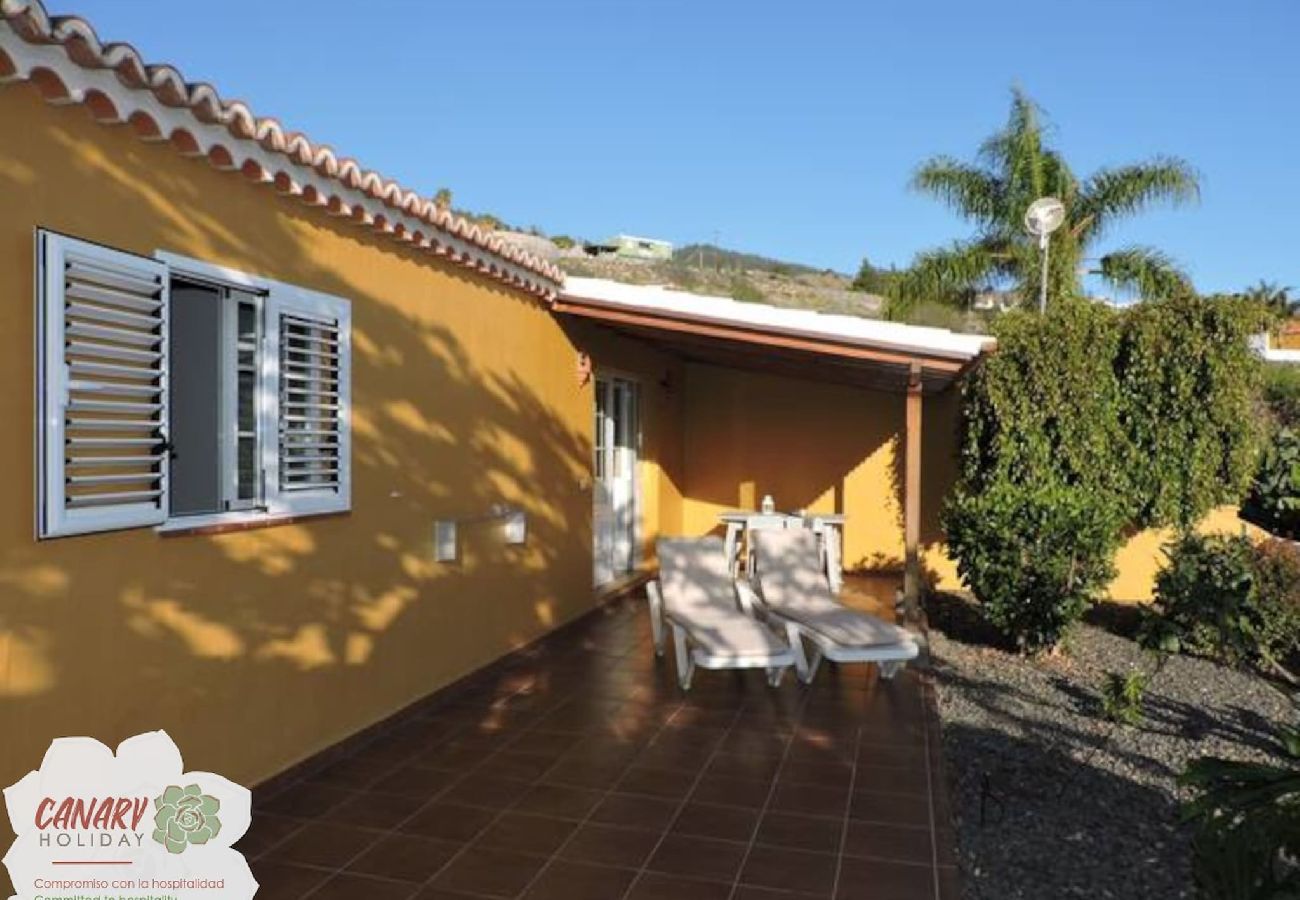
(83, 47)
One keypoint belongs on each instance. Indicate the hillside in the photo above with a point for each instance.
(705, 269)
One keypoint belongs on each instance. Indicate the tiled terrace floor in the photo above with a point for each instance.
(576, 770)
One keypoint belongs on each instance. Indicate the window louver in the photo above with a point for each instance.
(310, 404)
(104, 378)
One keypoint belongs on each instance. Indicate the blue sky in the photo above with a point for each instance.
(784, 128)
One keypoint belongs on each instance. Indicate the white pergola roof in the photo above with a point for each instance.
(660, 301)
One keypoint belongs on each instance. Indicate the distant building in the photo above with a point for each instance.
(628, 246)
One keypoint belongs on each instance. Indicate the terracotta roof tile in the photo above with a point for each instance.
(232, 137)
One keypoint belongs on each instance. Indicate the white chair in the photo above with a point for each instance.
(792, 583)
(764, 522)
(712, 616)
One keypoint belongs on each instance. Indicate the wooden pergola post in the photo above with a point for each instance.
(912, 497)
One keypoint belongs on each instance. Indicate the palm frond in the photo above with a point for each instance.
(1114, 193)
(947, 275)
(1145, 271)
(969, 190)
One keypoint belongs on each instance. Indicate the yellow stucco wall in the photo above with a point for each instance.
(256, 649)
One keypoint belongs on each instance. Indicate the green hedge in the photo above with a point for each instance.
(1117, 420)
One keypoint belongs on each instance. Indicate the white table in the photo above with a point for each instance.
(829, 525)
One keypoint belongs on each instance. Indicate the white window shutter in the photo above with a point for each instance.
(307, 457)
(102, 388)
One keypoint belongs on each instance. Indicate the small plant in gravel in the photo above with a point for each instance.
(1247, 815)
(1223, 597)
(1122, 696)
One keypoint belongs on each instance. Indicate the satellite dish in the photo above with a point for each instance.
(1044, 216)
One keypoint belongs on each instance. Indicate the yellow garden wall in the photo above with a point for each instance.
(256, 649)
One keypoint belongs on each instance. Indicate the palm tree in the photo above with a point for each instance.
(1275, 298)
(1015, 167)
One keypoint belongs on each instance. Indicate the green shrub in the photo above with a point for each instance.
(1150, 414)
(1273, 501)
(1282, 393)
(1223, 597)
(1036, 557)
(1190, 381)
(1122, 696)
(1247, 818)
(1277, 582)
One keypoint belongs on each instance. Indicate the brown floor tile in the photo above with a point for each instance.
(376, 810)
(486, 790)
(496, 873)
(796, 832)
(751, 892)
(449, 821)
(869, 879)
(265, 831)
(695, 857)
(809, 799)
(502, 782)
(526, 833)
(579, 773)
(729, 823)
(611, 845)
(671, 784)
(732, 791)
(519, 765)
(834, 776)
(346, 886)
(635, 811)
(564, 880)
(557, 800)
(889, 841)
(405, 858)
(790, 870)
(655, 886)
(283, 881)
(306, 800)
(418, 780)
(899, 809)
(326, 844)
(891, 779)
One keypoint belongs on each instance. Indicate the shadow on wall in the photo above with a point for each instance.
(258, 648)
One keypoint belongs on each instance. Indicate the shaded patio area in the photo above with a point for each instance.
(575, 769)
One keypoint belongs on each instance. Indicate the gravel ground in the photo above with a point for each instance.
(1051, 800)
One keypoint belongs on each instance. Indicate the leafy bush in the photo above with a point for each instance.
(1277, 581)
(1282, 393)
(1223, 597)
(1247, 817)
(1273, 502)
(1036, 557)
(1189, 380)
(1122, 695)
(1145, 417)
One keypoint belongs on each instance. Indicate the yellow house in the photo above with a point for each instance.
(289, 448)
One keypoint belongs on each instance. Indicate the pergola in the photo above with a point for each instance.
(869, 353)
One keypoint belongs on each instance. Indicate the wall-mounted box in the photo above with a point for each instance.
(514, 527)
(444, 541)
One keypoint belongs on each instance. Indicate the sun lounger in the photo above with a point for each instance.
(706, 610)
(793, 588)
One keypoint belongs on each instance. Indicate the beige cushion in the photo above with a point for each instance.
(699, 595)
(793, 583)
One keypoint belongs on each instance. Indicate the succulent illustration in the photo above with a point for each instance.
(185, 816)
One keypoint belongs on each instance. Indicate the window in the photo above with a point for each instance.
(177, 393)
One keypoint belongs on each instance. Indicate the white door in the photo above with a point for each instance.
(614, 517)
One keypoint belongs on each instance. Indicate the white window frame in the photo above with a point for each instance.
(273, 507)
